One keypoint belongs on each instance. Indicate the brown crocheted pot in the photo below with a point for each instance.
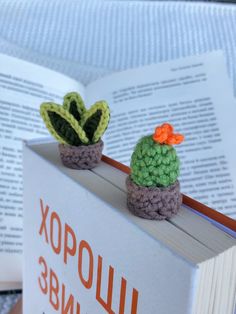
(81, 157)
(153, 202)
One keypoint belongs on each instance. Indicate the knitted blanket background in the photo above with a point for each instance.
(87, 39)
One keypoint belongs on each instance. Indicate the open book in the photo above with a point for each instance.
(194, 94)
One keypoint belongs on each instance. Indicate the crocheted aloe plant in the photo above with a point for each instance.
(72, 123)
(154, 162)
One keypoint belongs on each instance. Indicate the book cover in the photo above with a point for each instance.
(85, 253)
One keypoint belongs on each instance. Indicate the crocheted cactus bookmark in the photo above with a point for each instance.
(154, 162)
(153, 186)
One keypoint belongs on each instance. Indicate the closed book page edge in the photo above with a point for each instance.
(188, 201)
(34, 157)
(117, 200)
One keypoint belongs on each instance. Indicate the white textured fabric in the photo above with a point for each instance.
(82, 73)
(104, 36)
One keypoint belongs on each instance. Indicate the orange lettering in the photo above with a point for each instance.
(134, 305)
(43, 287)
(87, 283)
(43, 226)
(122, 296)
(55, 217)
(134, 302)
(78, 308)
(108, 304)
(69, 304)
(54, 289)
(67, 249)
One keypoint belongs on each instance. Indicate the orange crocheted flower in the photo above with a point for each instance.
(164, 135)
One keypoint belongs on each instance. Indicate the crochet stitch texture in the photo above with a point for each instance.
(81, 157)
(154, 164)
(72, 124)
(153, 202)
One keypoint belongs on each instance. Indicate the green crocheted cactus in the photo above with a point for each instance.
(155, 164)
(72, 124)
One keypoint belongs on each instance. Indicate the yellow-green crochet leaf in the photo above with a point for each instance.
(74, 104)
(95, 121)
(62, 125)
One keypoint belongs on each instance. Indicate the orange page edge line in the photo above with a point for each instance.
(188, 201)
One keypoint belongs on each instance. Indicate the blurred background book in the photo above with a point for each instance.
(89, 39)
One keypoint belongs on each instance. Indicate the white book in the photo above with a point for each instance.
(84, 252)
(193, 93)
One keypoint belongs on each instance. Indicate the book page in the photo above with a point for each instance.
(23, 87)
(195, 95)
